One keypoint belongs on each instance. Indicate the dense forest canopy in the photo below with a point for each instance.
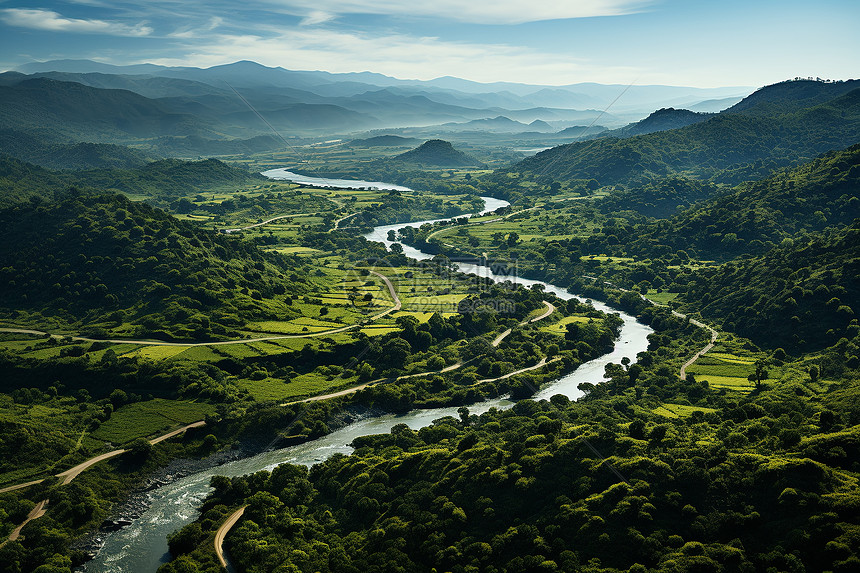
(101, 255)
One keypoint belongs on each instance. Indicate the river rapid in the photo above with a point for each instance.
(142, 546)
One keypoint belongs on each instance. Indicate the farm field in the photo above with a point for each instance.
(679, 410)
(728, 368)
(144, 419)
(661, 297)
(560, 327)
(274, 389)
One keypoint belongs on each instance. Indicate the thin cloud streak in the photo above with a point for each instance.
(474, 11)
(40, 19)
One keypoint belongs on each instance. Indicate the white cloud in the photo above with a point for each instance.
(473, 11)
(201, 31)
(398, 55)
(40, 19)
(316, 17)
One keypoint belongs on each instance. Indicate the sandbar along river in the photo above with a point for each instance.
(142, 546)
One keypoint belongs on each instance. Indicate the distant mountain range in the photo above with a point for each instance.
(458, 91)
(245, 100)
(384, 141)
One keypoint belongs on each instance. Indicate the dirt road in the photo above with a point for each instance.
(222, 533)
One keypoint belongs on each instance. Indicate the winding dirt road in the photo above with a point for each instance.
(71, 473)
(35, 513)
(223, 531)
(714, 336)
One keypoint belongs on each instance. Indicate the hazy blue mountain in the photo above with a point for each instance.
(540, 125)
(87, 66)
(713, 105)
(384, 141)
(79, 112)
(495, 124)
(74, 112)
(581, 130)
(446, 90)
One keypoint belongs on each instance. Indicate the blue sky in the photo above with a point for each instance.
(679, 42)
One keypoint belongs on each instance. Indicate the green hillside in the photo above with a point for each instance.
(758, 215)
(25, 147)
(19, 181)
(661, 120)
(791, 96)
(106, 262)
(168, 178)
(801, 296)
(164, 180)
(546, 487)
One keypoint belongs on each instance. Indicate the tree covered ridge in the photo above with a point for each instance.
(163, 181)
(753, 217)
(730, 147)
(102, 257)
(598, 486)
(801, 295)
(26, 147)
(168, 178)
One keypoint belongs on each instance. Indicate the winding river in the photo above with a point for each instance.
(142, 546)
(284, 175)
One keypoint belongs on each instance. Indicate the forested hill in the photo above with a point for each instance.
(19, 181)
(731, 147)
(25, 147)
(100, 259)
(436, 152)
(786, 97)
(590, 486)
(162, 180)
(661, 120)
(758, 215)
(168, 178)
(801, 296)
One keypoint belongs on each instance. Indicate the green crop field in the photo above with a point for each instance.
(679, 410)
(199, 353)
(157, 352)
(732, 358)
(560, 327)
(726, 382)
(273, 389)
(661, 297)
(146, 419)
(378, 330)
